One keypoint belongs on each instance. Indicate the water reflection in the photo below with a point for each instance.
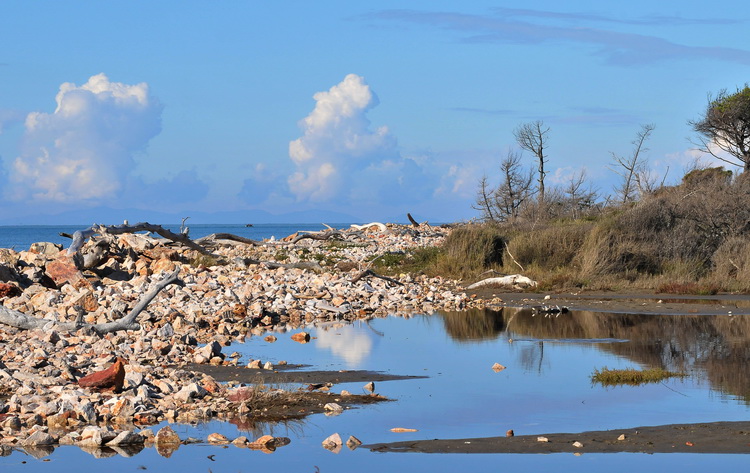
(473, 324)
(346, 342)
(715, 348)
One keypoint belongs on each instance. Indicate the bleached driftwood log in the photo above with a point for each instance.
(212, 238)
(22, 321)
(514, 280)
(80, 237)
(380, 226)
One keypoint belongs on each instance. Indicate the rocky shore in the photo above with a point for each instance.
(95, 388)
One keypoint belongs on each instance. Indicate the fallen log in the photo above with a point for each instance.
(227, 236)
(411, 219)
(369, 272)
(514, 280)
(80, 236)
(23, 321)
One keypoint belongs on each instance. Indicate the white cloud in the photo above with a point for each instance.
(84, 149)
(336, 141)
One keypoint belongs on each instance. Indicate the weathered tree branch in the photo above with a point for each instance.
(369, 272)
(80, 237)
(22, 321)
(227, 236)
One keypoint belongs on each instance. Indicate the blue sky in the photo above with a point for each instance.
(368, 109)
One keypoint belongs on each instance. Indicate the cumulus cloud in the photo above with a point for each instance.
(84, 149)
(337, 140)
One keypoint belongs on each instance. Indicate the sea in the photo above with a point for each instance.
(20, 237)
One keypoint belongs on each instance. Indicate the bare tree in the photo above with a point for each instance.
(532, 137)
(633, 168)
(515, 188)
(579, 197)
(485, 202)
(505, 201)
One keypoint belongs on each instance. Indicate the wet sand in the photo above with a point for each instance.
(718, 437)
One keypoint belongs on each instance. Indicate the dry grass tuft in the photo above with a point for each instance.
(632, 376)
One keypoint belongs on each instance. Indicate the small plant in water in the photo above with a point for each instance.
(632, 376)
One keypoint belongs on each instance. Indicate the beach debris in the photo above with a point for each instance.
(542, 439)
(403, 429)
(577, 444)
(497, 367)
(516, 281)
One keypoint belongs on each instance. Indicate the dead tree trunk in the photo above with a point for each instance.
(22, 321)
(80, 237)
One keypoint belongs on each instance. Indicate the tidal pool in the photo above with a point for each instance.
(545, 388)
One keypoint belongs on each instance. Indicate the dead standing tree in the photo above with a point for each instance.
(532, 137)
(632, 168)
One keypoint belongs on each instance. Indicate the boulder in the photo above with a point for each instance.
(111, 378)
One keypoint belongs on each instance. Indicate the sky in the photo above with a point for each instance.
(364, 109)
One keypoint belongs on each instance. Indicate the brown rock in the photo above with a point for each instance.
(510, 433)
(111, 378)
(166, 441)
(301, 337)
(244, 393)
(240, 311)
(63, 270)
(217, 438)
(9, 290)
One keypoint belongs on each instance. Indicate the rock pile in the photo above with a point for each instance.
(94, 389)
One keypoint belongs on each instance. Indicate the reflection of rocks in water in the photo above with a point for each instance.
(100, 452)
(257, 429)
(39, 451)
(473, 324)
(716, 347)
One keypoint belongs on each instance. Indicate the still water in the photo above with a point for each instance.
(545, 388)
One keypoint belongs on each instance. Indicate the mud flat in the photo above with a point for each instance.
(717, 437)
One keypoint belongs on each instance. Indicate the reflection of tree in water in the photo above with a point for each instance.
(473, 324)
(716, 347)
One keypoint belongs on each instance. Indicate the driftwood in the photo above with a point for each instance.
(380, 226)
(411, 219)
(319, 236)
(514, 280)
(369, 272)
(22, 321)
(80, 237)
(226, 236)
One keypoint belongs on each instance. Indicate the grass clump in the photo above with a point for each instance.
(632, 376)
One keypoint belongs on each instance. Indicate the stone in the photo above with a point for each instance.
(63, 270)
(269, 338)
(268, 366)
(301, 337)
(241, 394)
(542, 439)
(510, 433)
(333, 443)
(166, 441)
(577, 444)
(112, 378)
(621, 437)
(39, 438)
(191, 391)
(497, 367)
(241, 441)
(333, 408)
(353, 442)
(217, 438)
(370, 387)
(266, 443)
(9, 290)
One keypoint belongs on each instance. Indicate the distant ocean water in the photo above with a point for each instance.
(22, 236)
